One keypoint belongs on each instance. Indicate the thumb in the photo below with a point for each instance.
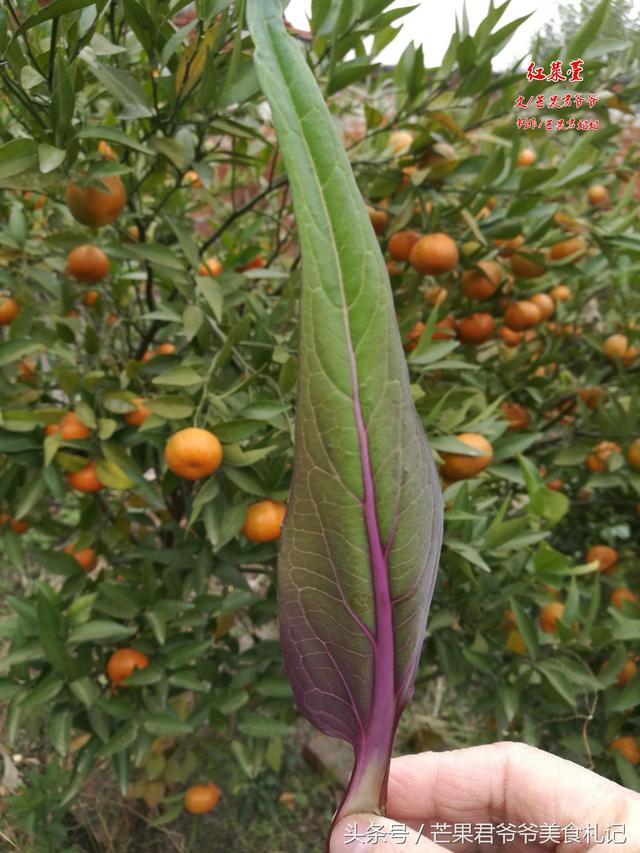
(360, 832)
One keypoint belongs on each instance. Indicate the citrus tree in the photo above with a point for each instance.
(150, 274)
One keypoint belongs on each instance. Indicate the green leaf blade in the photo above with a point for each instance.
(362, 533)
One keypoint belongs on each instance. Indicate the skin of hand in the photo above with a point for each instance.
(509, 783)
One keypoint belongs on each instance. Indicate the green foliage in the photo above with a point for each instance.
(179, 106)
(621, 17)
(37, 812)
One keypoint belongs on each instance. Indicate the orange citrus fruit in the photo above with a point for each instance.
(622, 594)
(591, 396)
(434, 254)
(560, 293)
(9, 310)
(96, 206)
(436, 295)
(508, 246)
(123, 662)
(549, 616)
(617, 347)
(515, 643)
(86, 479)
(627, 672)
(87, 263)
(379, 219)
(211, 266)
(598, 195)
(413, 336)
(522, 315)
(628, 747)
(85, 557)
(481, 283)
(199, 799)
(401, 243)
(633, 454)
(523, 266)
(476, 328)
(603, 555)
(400, 140)
(545, 303)
(509, 337)
(70, 427)
(526, 157)
(106, 150)
(193, 178)
(193, 453)
(516, 414)
(264, 520)
(139, 415)
(566, 248)
(445, 329)
(458, 466)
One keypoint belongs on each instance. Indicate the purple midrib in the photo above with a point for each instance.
(382, 710)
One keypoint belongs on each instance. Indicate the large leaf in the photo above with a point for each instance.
(362, 533)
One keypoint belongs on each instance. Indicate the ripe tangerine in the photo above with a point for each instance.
(568, 248)
(523, 266)
(445, 329)
(9, 310)
(70, 427)
(516, 414)
(526, 157)
(598, 195)
(617, 347)
(87, 263)
(509, 337)
(434, 254)
(401, 243)
(193, 453)
(459, 466)
(123, 662)
(549, 616)
(85, 557)
(95, 206)
(622, 594)
(264, 520)
(633, 454)
(211, 267)
(413, 335)
(476, 328)
(400, 140)
(515, 642)
(482, 282)
(378, 219)
(199, 799)
(603, 555)
(139, 415)
(545, 303)
(628, 747)
(560, 293)
(522, 315)
(86, 479)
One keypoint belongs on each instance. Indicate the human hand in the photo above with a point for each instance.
(509, 783)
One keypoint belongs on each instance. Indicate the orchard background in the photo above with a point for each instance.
(137, 127)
